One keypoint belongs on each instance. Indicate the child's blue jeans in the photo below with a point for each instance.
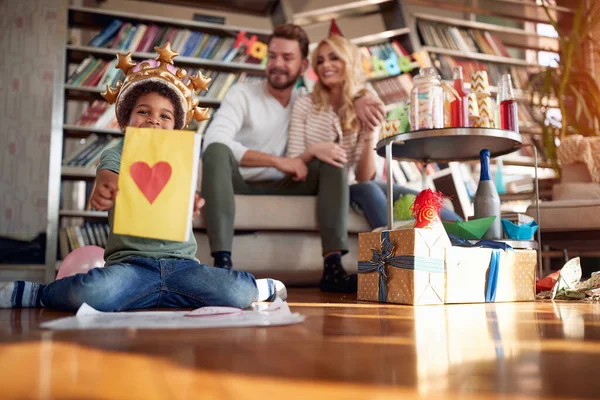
(141, 282)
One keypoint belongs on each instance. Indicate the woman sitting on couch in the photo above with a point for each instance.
(324, 125)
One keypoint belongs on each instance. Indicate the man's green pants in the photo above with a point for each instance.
(221, 179)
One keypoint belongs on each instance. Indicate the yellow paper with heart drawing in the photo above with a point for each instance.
(157, 182)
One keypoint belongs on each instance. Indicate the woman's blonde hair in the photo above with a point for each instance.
(352, 84)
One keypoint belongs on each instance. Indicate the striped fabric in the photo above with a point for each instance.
(309, 126)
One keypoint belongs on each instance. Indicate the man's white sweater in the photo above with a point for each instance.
(251, 119)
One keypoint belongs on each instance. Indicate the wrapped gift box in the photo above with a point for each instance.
(469, 276)
(402, 266)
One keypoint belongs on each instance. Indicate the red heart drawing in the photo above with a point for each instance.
(151, 181)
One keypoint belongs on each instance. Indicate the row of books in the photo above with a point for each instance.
(76, 236)
(126, 36)
(461, 39)
(94, 71)
(87, 153)
(446, 64)
(221, 82)
(98, 115)
(394, 89)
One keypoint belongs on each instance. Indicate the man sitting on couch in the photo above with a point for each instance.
(244, 151)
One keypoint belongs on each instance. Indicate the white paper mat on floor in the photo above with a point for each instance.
(278, 313)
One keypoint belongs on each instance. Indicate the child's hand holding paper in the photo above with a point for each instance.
(105, 190)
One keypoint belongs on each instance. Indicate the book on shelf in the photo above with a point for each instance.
(130, 37)
(467, 40)
(221, 81)
(394, 89)
(445, 65)
(88, 153)
(94, 72)
(98, 115)
(75, 236)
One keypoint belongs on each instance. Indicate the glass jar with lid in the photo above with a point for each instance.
(427, 101)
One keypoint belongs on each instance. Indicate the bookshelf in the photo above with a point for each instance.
(83, 93)
(518, 10)
(389, 36)
(510, 44)
(78, 173)
(349, 9)
(377, 38)
(478, 56)
(513, 37)
(450, 34)
(84, 214)
(87, 17)
(78, 53)
(78, 108)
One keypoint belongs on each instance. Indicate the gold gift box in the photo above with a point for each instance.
(467, 271)
(463, 278)
(415, 283)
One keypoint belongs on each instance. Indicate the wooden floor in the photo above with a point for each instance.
(343, 350)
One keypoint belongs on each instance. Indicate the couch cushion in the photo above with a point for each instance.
(576, 191)
(288, 213)
(568, 215)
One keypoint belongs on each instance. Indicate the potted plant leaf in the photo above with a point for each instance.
(571, 86)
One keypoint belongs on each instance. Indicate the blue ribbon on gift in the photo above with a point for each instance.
(492, 281)
(380, 259)
(485, 243)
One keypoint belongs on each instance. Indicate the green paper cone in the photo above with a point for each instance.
(470, 230)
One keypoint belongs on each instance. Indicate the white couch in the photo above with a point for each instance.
(278, 237)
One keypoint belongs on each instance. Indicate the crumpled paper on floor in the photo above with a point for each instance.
(569, 287)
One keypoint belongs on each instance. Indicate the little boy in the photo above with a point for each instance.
(139, 272)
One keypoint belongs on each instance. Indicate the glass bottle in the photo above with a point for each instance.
(459, 108)
(427, 101)
(486, 200)
(509, 118)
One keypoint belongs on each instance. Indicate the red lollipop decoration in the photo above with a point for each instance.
(426, 208)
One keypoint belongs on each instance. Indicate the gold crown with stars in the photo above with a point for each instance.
(166, 74)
